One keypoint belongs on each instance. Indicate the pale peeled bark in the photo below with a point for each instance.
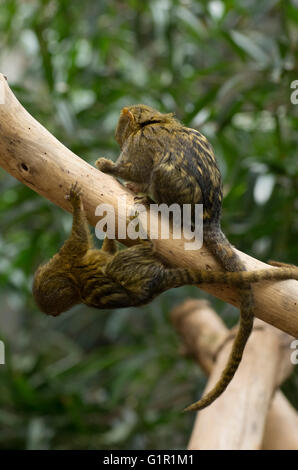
(281, 430)
(245, 416)
(36, 158)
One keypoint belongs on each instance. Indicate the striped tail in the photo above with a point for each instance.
(221, 248)
(245, 328)
(178, 277)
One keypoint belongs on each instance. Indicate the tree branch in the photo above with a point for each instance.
(36, 158)
(245, 416)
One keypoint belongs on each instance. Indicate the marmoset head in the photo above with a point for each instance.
(133, 118)
(53, 289)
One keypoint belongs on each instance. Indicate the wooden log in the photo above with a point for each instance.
(36, 158)
(244, 415)
(281, 430)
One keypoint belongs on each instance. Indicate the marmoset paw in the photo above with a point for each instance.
(134, 187)
(104, 164)
(74, 195)
(143, 200)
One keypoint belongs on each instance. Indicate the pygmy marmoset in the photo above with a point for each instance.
(171, 163)
(108, 278)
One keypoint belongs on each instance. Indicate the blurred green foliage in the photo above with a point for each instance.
(115, 379)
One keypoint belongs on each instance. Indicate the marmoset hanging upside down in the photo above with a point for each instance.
(171, 163)
(108, 278)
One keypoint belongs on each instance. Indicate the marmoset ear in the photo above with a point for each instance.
(125, 112)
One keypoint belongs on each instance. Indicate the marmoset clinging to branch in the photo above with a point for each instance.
(171, 163)
(108, 278)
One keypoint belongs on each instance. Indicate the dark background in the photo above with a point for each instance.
(115, 379)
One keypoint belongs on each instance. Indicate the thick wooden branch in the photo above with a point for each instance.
(281, 430)
(248, 415)
(32, 155)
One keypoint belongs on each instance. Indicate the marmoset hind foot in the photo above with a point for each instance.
(177, 165)
(107, 278)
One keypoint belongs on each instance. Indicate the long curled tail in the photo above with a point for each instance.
(221, 248)
(244, 331)
(242, 279)
(177, 277)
